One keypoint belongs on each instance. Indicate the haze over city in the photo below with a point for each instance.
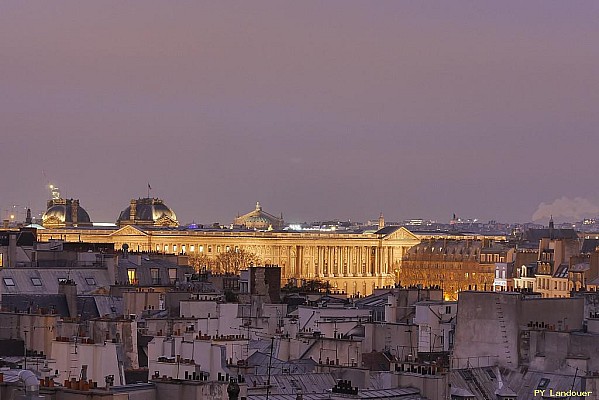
(337, 109)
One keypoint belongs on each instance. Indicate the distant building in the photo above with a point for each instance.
(259, 220)
(453, 265)
(147, 212)
(350, 262)
(64, 213)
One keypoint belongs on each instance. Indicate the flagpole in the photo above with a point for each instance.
(149, 187)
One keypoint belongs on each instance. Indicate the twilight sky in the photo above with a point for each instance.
(318, 109)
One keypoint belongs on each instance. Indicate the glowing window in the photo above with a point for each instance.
(132, 276)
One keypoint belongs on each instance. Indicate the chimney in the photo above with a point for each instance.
(74, 211)
(132, 210)
(69, 289)
(12, 249)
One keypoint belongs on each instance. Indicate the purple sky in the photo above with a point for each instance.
(335, 109)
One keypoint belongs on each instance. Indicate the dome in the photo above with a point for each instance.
(65, 212)
(147, 211)
(259, 219)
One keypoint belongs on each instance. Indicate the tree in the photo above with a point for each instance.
(233, 260)
(201, 262)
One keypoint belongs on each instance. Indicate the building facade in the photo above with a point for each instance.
(352, 262)
(453, 265)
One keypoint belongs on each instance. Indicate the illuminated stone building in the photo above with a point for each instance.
(453, 265)
(64, 212)
(147, 212)
(352, 262)
(259, 220)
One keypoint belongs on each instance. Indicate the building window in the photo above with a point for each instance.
(36, 281)
(175, 248)
(90, 281)
(192, 248)
(157, 247)
(132, 276)
(172, 275)
(183, 249)
(447, 309)
(155, 275)
(9, 282)
(166, 248)
(209, 249)
(201, 249)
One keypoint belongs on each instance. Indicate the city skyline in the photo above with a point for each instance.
(336, 110)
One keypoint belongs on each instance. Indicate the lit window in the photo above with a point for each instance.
(157, 247)
(174, 248)
(192, 248)
(90, 281)
(201, 249)
(9, 282)
(132, 276)
(36, 281)
(183, 249)
(166, 248)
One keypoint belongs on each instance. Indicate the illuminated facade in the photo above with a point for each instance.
(453, 265)
(352, 262)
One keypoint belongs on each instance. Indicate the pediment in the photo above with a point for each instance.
(128, 231)
(401, 234)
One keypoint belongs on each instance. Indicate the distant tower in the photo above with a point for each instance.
(551, 227)
(28, 219)
(381, 221)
